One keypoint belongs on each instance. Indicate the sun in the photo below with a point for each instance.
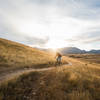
(55, 44)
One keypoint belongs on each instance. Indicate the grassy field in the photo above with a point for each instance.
(92, 58)
(14, 56)
(79, 81)
(76, 82)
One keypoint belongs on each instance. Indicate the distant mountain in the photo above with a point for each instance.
(73, 50)
(94, 51)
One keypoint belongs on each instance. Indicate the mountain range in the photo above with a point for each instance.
(74, 50)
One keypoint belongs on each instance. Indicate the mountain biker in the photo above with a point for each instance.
(58, 58)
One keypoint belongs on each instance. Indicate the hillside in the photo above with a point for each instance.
(14, 54)
(81, 81)
(90, 58)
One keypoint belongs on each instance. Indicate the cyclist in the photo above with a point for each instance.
(58, 58)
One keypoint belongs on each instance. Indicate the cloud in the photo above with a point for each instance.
(25, 39)
(36, 41)
(89, 40)
(34, 22)
(84, 40)
(89, 37)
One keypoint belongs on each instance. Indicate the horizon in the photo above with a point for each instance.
(54, 49)
(51, 24)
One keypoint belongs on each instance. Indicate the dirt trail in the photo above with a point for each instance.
(11, 74)
(72, 62)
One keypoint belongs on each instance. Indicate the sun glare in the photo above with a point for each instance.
(55, 44)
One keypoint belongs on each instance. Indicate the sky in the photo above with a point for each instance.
(51, 23)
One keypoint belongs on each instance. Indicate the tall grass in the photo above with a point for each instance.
(13, 54)
(71, 83)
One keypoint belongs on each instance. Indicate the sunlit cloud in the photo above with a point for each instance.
(51, 23)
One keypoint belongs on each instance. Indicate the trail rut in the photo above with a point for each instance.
(11, 74)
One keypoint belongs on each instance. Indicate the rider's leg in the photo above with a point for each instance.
(56, 62)
(60, 61)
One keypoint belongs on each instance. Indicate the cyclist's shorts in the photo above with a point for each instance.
(59, 59)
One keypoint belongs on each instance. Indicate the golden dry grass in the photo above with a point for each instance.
(81, 81)
(76, 82)
(14, 55)
(91, 58)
